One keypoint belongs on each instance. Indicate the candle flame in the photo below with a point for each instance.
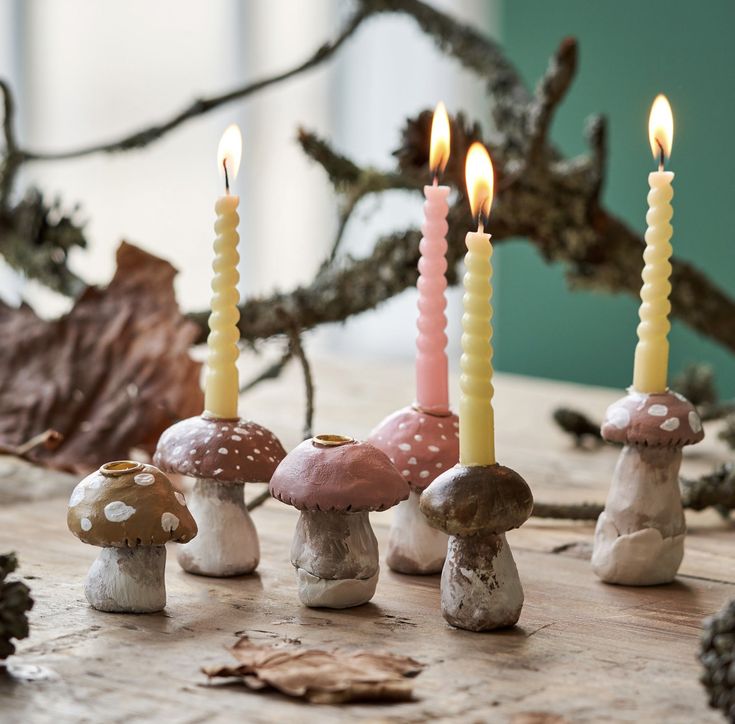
(439, 149)
(661, 127)
(480, 181)
(229, 151)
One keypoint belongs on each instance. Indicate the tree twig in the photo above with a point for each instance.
(271, 372)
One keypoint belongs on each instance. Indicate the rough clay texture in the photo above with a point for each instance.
(128, 580)
(344, 593)
(639, 538)
(227, 544)
(420, 444)
(658, 420)
(228, 451)
(354, 476)
(468, 499)
(414, 547)
(126, 504)
(480, 587)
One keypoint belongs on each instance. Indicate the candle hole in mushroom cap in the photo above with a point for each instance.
(120, 467)
(331, 440)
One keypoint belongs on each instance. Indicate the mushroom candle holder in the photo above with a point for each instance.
(335, 482)
(223, 455)
(639, 538)
(421, 445)
(131, 510)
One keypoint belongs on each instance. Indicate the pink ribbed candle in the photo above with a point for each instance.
(432, 393)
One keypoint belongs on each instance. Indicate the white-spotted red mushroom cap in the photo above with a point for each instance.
(228, 451)
(664, 419)
(420, 444)
(337, 473)
(126, 504)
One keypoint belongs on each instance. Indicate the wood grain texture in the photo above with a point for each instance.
(583, 651)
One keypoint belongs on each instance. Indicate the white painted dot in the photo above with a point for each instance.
(177, 449)
(236, 438)
(456, 434)
(77, 496)
(438, 465)
(422, 420)
(433, 448)
(179, 497)
(392, 460)
(267, 448)
(223, 451)
(259, 432)
(618, 417)
(695, 421)
(404, 446)
(86, 524)
(225, 428)
(117, 511)
(192, 452)
(256, 451)
(250, 457)
(418, 438)
(658, 410)
(196, 462)
(670, 425)
(240, 431)
(218, 471)
(444, 437)
(401, 425)
(406, 473)
(169, 522)
(237, 467)
(455, 424)
(424, 474)
(440, 425)
(219, 434)
(144, 479)
(412, 461)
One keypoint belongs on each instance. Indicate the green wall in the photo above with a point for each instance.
(629, 52)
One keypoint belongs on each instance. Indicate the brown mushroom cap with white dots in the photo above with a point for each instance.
(421, 445)
(126, 504)
(228, 451)
(664, 419)
(337, 473)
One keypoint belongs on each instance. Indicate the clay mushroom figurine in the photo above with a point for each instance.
(421, 445)
(476, 505)
(223, 455)
(639, 539)
(335, 482)
(131, 510)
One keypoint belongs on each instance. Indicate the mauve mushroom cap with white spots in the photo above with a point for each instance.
(228, 451)
(353, 477)
(127, 508)
(665, 419)
(421, 445)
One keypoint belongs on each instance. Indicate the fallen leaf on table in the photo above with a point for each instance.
(321, 677)
(110, 375)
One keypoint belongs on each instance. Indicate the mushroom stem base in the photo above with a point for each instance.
(128, 580)
(341, 593)
(227, 542)
(414, 547)
(480, 587)
(639, 538)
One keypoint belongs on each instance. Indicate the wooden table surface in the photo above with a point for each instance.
(583, 651)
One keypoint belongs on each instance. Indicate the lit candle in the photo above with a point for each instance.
(222, 386)
(652, 351)
(432, 390)
(476, 422)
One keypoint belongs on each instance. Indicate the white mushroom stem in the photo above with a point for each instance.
(414, 546)
(639, 539)
(336, 559)
(128, 580)
(480, 587)
(227, 542)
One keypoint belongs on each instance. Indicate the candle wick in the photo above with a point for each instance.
(480, 225)
(227, 176)
(660, 156)
(436, 178)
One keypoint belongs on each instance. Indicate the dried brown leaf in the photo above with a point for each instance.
(321, 677)
(110, 375)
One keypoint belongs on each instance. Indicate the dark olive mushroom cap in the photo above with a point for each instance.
(332, 472)
(228, 451)
(420, 444)
(469, 499)
(126, 504)
(664, 419)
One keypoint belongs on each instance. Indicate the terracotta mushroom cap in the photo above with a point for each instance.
(126, 504)
(420, 444)
(469, 499)
(228, 451)
(664, 419)
(332, 472)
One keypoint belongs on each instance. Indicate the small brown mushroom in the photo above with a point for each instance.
(131, 510)
(222, 455)
(476, 505)
(421, 445)
(639, 538)
(335, 482)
